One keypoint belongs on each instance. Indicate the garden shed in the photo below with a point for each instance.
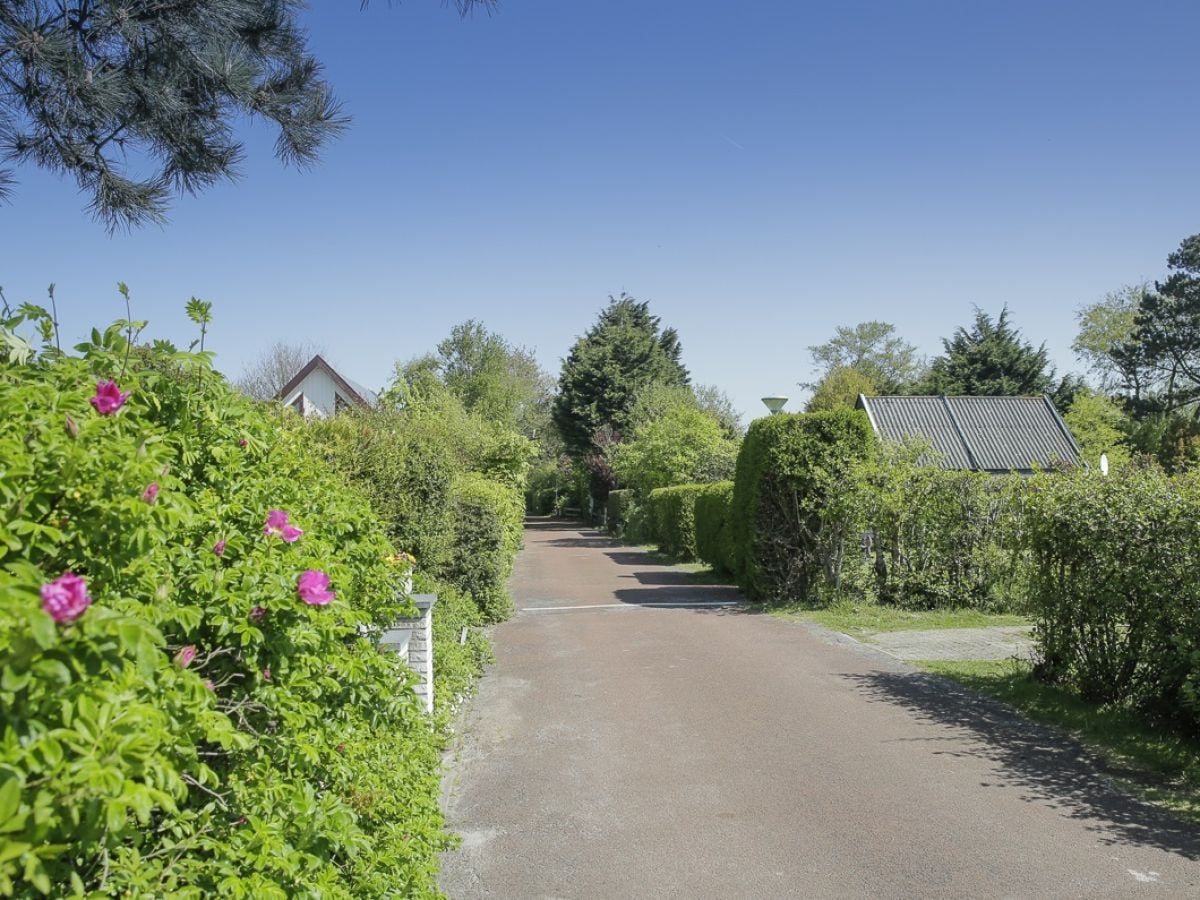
(980, 434)
(320, 390)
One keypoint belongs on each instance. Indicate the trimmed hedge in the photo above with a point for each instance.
(488, 518)
(786, 544)
(1115, 588)
(673, 518)
(714, 541)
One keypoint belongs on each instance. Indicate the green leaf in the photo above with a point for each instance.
(12, 849)
(10, 798)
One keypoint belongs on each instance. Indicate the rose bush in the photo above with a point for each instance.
(188, 707)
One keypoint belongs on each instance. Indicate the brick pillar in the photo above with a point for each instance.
(412, 639)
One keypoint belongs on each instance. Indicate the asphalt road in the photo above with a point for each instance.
(617, 750)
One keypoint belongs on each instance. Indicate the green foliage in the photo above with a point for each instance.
(872, 350)
(1099, 427)
(1167, 334)
(618, 509)
(404, 469)
(549, 486)
(681, 444)
(714, 538)
(289, 758)
(658, 399)
(447, 484)
(493, 380)
(164, 86)
(839, 388)
(488, 519)
(938, 539)
(1105, 341)
(673, 518)
(788, 540)
(990, 359)
(1114, 588)
(608, 367)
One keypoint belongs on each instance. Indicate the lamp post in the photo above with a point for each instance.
(775, 404)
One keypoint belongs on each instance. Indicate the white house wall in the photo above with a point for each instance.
(320, 394)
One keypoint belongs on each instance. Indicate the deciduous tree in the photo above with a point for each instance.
(872, 348)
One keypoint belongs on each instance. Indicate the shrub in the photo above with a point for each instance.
(714, 543)
(488, 519)
(618, 507)
(198, 729)
(547, 488)
(1114, 587)
(404, 470)
(788, 539)
(937, 538)
(684, 445)
(673, 518)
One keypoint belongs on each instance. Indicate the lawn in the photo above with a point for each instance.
(1158, 766)
(865, 619)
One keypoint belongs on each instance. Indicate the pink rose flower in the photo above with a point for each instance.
(313, 588)
(219, 547)
(184, 657)
(277, 524)
(65, 598)
(210, 684)
(150, 494)
(108, 398)
(258, 613)
(243, 443)
(266, 674)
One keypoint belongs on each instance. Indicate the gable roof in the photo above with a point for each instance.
(353, 391)
(984, 434)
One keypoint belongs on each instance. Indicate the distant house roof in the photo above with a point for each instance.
(352, 389)
(984, 434)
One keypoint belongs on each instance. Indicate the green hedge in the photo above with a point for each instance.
(1115, 587)
(672, 514)
(401, 465)
(208, 725)
(464, 527)
(618, 507)
(488, 519)
(937, 538)
(787, 546)
(714, 541)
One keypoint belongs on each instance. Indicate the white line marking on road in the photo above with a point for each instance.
(663, 605)
(1143, 877)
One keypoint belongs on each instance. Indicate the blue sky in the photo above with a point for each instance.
(760, 172)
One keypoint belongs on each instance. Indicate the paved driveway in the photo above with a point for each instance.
(625, 751)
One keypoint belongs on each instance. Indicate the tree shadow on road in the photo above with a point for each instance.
(1052, 768)
(678, 593)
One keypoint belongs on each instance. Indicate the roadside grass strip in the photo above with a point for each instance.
(864, 619)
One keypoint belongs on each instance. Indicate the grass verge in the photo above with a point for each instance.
(1158, 766)
(863, 619)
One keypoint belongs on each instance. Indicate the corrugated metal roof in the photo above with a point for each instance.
(990, 434)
